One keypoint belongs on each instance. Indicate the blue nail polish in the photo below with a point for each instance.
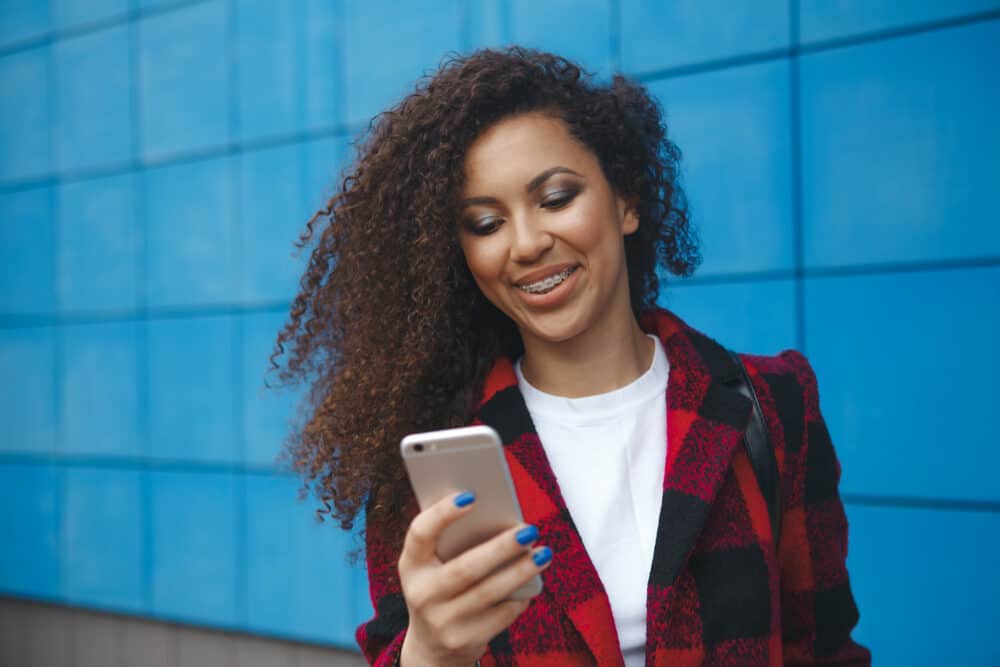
(542, 556)
(527, 535)
(465, 498)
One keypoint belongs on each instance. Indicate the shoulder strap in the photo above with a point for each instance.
(761, 452)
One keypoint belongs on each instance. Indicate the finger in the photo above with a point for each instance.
(497, 587)
(422, 535)
(469, 568)
(480, 629)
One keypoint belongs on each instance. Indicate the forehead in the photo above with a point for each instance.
(522, 146)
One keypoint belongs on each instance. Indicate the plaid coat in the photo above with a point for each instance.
(717, 592)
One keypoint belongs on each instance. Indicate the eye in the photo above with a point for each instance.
(557, 200)
(484, 226)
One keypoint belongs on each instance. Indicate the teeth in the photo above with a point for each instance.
(547, 284)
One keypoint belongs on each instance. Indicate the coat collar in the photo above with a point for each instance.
(706, 418)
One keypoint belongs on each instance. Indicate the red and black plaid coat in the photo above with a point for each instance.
(717, 593)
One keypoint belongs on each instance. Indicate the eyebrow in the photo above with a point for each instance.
(532, 185)
(537, 181)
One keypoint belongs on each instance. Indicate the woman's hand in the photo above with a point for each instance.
(457, 607)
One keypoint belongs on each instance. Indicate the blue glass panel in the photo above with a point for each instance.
(270, 548)
(290, 67)
(824, 19)
(93, 120)
(363, 609)
(416, 35)
(194, 556)
(26, 252)
(546, 26)
(313, 599)
(322, 82)
(98, 244)
(899, 145)
(27, 394)
(102, 538)
(906, 365)
(74, 13)
(272, 216)
(752, 317)
(25, 144)
(488, 24)
(29, 521)
(191, 409)
(732, 128)
(895, 553)
(656, 34)
(268, 53)
(189, 213)
(158, 4)
(266, 411)
(22, 19)
(184, 98)
(324, 161)
(100, 389)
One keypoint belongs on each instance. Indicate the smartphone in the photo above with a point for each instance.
(470, 458)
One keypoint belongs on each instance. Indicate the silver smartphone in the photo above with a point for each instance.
(471, 458)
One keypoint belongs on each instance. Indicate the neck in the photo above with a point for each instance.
(604, 358)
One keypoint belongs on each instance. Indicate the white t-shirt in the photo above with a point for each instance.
(608, 453)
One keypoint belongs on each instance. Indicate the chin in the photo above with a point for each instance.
(554, 327)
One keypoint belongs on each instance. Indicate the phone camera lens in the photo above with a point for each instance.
(418, 447)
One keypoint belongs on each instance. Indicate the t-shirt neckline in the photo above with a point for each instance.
(599, 407)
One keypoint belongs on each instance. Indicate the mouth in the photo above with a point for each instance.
(549, 283)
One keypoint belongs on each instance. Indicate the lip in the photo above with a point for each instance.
(558, 296)
(541, 274)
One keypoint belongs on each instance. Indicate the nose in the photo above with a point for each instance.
(530, 239)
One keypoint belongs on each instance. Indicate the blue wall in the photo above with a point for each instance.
(157, 160)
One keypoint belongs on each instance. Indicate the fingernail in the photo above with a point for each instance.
(465, 498)
(527, 535)
(542, 556)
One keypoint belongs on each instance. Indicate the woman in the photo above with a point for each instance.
(492, 258)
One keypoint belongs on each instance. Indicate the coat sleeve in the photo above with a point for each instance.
(381, 638)
(818, 608)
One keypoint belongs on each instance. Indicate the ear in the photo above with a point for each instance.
(628, 215)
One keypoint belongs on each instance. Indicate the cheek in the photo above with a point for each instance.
(592, 230)
(484, 261)
(485, 275)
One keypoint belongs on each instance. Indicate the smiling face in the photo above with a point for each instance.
(543, 231)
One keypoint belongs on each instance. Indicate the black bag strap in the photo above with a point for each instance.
(761, 452)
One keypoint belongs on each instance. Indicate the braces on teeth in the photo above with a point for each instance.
(546, 284)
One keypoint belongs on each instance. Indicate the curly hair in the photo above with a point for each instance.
(389, 330)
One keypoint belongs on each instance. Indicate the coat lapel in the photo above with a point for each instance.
(706, 418)
(706, 421)
(571, 583)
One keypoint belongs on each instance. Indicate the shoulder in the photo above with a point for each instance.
(787, 377)
(787, 389)
(785, 382)
(787, 362)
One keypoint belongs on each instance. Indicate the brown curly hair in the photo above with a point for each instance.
(389, 330)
